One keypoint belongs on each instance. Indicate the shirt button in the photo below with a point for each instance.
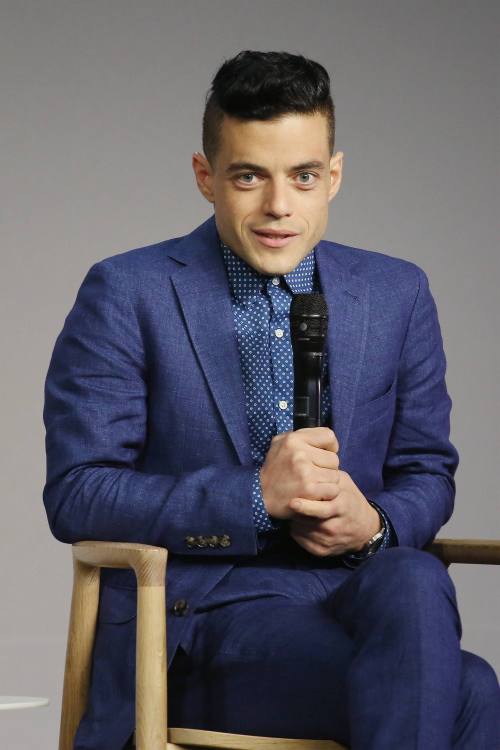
(276, 281)
(283, 404)
(279, 332)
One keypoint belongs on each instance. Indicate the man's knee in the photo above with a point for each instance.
(478, 718)
(400, 585)
(480, 683)
(411, 569)
(412, 559)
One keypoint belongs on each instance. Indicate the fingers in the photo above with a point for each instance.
(319, 491)
(330, 476)
(323, 458)
(319, 437)
(315, 508)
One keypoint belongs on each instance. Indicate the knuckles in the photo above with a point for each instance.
(299, 459)
(309, 488)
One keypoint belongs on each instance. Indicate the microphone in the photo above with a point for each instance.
(308, 327)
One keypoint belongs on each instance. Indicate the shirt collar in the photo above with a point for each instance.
(245, 282)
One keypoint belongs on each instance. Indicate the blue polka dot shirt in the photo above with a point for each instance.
(261, 309)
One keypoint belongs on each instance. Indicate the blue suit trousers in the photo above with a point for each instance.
(292, 645)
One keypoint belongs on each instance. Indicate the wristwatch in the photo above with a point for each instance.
(374, 543)
(371, 545)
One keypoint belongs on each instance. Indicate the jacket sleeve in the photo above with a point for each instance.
(95, 415)
(419, 486)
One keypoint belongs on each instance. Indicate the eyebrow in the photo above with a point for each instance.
(236, 166)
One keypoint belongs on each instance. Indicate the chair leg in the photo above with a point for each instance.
(151, 669)
(82, 626)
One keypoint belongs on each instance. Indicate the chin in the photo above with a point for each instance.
(282, 266)
(277, 271)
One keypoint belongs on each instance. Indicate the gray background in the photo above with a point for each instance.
(101, 111)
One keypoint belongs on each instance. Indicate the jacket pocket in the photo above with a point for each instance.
(370, 411)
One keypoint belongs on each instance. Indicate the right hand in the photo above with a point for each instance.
(300, 464)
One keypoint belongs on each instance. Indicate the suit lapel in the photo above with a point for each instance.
(202, 288)
(204, 295)
(347, 298)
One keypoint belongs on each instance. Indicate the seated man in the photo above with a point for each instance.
(300, 601)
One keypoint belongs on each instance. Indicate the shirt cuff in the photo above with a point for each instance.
(352, 560)
(262, 520)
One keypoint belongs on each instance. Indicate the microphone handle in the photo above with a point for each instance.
(307, 389)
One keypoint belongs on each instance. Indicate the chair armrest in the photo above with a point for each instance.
(481, 551)
(148, 562)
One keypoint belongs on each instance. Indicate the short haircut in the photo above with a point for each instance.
(265, 86)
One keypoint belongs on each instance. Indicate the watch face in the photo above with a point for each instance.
(374, 543)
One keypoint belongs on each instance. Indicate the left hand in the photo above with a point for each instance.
(351, 524)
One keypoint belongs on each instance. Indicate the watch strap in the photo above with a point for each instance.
(378, 541)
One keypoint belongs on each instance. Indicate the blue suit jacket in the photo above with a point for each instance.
(147, 436)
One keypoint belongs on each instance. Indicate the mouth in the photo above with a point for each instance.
(273, 237)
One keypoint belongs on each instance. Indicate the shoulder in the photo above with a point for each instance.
(136, 268)
(147, 259)
(371, 264)
(386, 275)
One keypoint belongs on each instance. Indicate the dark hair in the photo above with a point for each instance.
(264, 86)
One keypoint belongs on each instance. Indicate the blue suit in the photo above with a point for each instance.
(147, 435)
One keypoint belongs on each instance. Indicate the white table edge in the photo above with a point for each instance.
(11, 702)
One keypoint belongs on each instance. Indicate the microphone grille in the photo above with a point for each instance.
(309, 304)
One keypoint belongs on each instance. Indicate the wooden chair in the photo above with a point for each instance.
(149, 564)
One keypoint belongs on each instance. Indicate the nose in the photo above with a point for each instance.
(277, 200)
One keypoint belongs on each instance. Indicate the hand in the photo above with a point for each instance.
(301, 464)
(344, 525)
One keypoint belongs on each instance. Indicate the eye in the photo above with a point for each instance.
(242, 178)
(308, 182)
(247, 174)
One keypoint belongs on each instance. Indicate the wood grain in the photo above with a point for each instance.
(184, 738)
(473, 551)
(149, 564)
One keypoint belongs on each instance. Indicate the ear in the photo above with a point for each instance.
(336, 163)
(204, 175)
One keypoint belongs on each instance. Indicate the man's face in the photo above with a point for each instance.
(271, 175)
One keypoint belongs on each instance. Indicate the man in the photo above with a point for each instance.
(300, 602)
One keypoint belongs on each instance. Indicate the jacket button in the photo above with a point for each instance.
(180, 607)
(201, 541)
(212, 541)
(224, 541)
(190, 541)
